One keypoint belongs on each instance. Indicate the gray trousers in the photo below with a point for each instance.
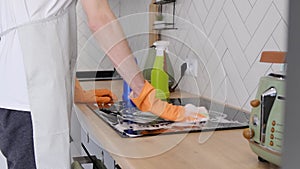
(16, 139)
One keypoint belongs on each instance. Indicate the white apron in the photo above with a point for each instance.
(49, 49)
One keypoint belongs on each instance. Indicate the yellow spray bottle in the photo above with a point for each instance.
(159, 78)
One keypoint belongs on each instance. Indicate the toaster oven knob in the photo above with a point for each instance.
(272, 129)
(248, 133)
(255, 103)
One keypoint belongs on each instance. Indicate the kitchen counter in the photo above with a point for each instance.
(210, 150)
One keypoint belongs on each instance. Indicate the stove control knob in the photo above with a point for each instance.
(255, 103)
(248, 133)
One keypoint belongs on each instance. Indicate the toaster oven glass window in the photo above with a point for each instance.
(268, 99)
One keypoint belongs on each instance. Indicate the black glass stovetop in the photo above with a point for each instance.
(130, 122)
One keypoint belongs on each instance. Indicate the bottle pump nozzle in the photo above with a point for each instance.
(160, 47)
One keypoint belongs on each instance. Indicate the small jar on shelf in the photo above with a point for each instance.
(161, 22)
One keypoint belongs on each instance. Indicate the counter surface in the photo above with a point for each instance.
(210, 150)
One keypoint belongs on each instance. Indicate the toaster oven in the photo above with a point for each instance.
(266, 125)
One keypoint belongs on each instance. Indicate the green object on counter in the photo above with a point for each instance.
(98, 165)
(267, 119)
(168, 68)
(76, 165)
(159, 78)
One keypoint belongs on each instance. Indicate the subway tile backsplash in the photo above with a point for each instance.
(232, 35)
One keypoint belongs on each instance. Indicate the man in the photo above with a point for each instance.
(109, 34)
(37, 60)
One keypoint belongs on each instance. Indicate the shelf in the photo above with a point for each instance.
(166, 29)
(168, 25)
(164, 2)
(165, 26)
(164, 23)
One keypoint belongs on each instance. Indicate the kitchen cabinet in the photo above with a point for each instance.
(93, 149)
(97, 151)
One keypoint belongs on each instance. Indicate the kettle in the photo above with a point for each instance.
(266, 126)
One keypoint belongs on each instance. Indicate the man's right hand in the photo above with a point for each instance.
(147, 102)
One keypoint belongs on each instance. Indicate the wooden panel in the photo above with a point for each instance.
(273, 57)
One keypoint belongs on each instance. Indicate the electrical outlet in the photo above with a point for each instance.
(192, 67)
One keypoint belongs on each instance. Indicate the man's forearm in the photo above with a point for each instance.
(109, 34)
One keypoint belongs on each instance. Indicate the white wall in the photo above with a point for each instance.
(134, 21)
(227, 38)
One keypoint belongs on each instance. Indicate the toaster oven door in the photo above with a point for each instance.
(267, 101)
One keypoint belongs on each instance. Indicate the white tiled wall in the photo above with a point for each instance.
(134, 21)
(227, 37)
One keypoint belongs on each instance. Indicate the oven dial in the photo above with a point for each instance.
(255, 103)
(248, 133)
(272, 129)
(271, 143)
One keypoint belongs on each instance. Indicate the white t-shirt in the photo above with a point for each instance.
(14, 13)
(13, 88)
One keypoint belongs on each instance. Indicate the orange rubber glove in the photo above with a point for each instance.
(147, 102)
(100, 96)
